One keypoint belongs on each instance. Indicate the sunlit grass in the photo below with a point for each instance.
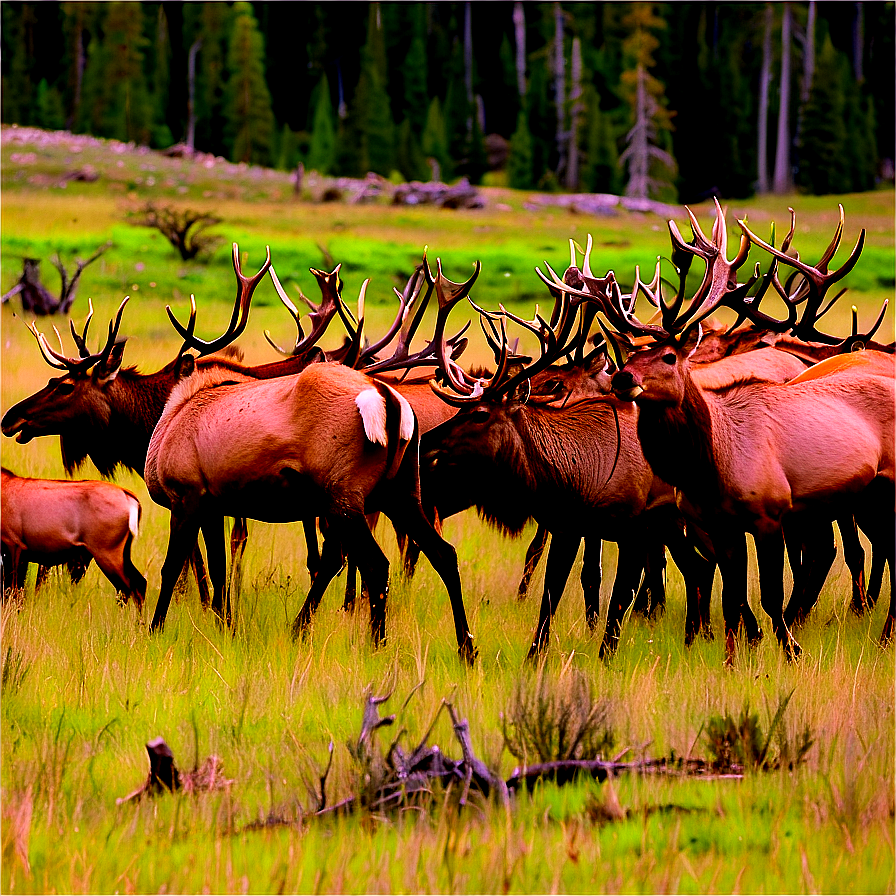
(85, 686)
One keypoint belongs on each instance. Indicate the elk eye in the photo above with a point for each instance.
(480, 415)
(552, 386)
(669, 358)
(65, 388)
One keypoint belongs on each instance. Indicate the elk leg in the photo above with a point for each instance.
(854, 555)
(651, 597)
(239, 535)
(351, 586)
(818, 550)
(330, 563)
(313, 553)
(374, 567)
(879, 527)
(213, 535)
(770, 559)
(408, 514)
(731, 555)
(15, 571)
(197, 563)
(698, 574)
(183, 534)
(629, 565)
(43, 573)
(533, 557)
(561, 556)
(590, 579)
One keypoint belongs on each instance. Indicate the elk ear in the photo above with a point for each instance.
(691, 339)
(107, 370)
(186, 364)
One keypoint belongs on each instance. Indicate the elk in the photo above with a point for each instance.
(328, 442)
(53, 522)
(751, 457)
(577, 469)
(106, 412)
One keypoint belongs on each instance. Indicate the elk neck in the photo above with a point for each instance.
(134, 404)
(678, 442)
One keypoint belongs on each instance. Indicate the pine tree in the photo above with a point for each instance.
(435, 142)
(322, 153)
(600, 170)
(416, 98)
(519, 162)
(650, 166)
(208, 23)
(250, 121)
(116, 101)
(824, 165)
(410, 159)
(50, 113)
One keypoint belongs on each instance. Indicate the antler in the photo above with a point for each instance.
(86, 360)
(814, 286)
(439, 348)
(245, 287)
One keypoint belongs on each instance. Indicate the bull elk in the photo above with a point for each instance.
(328, 442)
(751, 457)
(53, 522)
(106, 412)
(577, 469)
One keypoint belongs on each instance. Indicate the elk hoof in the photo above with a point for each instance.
(468, 653)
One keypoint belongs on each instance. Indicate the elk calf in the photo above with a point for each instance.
(52, 521)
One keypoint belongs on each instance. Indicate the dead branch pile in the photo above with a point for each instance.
(36, 298)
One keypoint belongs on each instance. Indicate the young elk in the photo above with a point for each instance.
(750, 458)
(328, 442)
(54, 522)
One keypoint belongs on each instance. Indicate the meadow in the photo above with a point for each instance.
(85, 687)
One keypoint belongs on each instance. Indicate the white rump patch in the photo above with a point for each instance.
(372, 406)
(134, 517)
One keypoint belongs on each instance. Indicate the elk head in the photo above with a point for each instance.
(76, 397)
(655, 372)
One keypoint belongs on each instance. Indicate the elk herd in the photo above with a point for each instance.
(642, 421)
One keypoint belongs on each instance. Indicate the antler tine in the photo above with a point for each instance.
(438, 350)
(291, 308)
(245, 287)
(406, 300)
(81, 341)
(353, 353)
(114, 326)
(54, 359)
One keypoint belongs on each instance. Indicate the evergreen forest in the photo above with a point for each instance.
(671, 101)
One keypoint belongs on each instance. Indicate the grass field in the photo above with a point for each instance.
(84, 686)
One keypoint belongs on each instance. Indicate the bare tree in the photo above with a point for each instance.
(575, 114)
(185, 229)
(808, 54)
(519, 33)
(560, 87)
(783, 180)
(191, 94)
(36, 298)
(765, 81)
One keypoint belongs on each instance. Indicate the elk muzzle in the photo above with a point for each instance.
(626, 386)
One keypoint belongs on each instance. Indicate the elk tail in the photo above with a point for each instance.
(135, 512)
(401, 424)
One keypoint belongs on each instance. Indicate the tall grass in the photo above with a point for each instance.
(84, 686)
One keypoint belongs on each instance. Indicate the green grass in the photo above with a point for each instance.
(85, 687)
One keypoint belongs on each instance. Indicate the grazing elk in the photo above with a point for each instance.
(756, 455)
(328, 442)
(53, 522)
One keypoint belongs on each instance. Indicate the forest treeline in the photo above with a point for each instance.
(656, 100)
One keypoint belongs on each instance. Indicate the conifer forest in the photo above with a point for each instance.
(674, 102)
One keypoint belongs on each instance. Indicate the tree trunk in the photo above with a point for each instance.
(765, 80)
(858, 43)
(560, 88)
(191, 95)
(575, 113)
(783, 182)
(809, 54)
(468, 63)
(519, 33)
